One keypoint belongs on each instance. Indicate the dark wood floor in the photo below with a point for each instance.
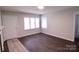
(45, 43)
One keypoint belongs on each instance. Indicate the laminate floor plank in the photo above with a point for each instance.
(45, 43)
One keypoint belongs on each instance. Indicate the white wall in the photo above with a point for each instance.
(1, 32)
(61, 24)
(21, 31)
(18, 25)
(10, 26)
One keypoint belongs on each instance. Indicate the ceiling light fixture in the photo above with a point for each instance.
(40, 7)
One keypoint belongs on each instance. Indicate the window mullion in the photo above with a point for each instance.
(30, 22)
(35, 22)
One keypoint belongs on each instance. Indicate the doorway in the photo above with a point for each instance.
(77, 29)
(0, 43)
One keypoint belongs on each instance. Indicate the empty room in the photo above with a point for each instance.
(39, 28)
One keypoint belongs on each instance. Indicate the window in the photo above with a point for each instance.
(37, 22)
(31, 23)
(44, 22)
(26, 23)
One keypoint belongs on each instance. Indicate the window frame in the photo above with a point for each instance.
(30, 23)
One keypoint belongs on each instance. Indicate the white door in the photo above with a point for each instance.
(9, 22)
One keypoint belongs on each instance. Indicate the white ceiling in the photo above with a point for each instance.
(34, 9)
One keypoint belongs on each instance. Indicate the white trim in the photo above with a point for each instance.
(59, 37)
(2, 41)
(74, 26)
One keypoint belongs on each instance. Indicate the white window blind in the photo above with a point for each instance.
(37, 22)
(26, 23)
(44, 22)
(31, 23)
